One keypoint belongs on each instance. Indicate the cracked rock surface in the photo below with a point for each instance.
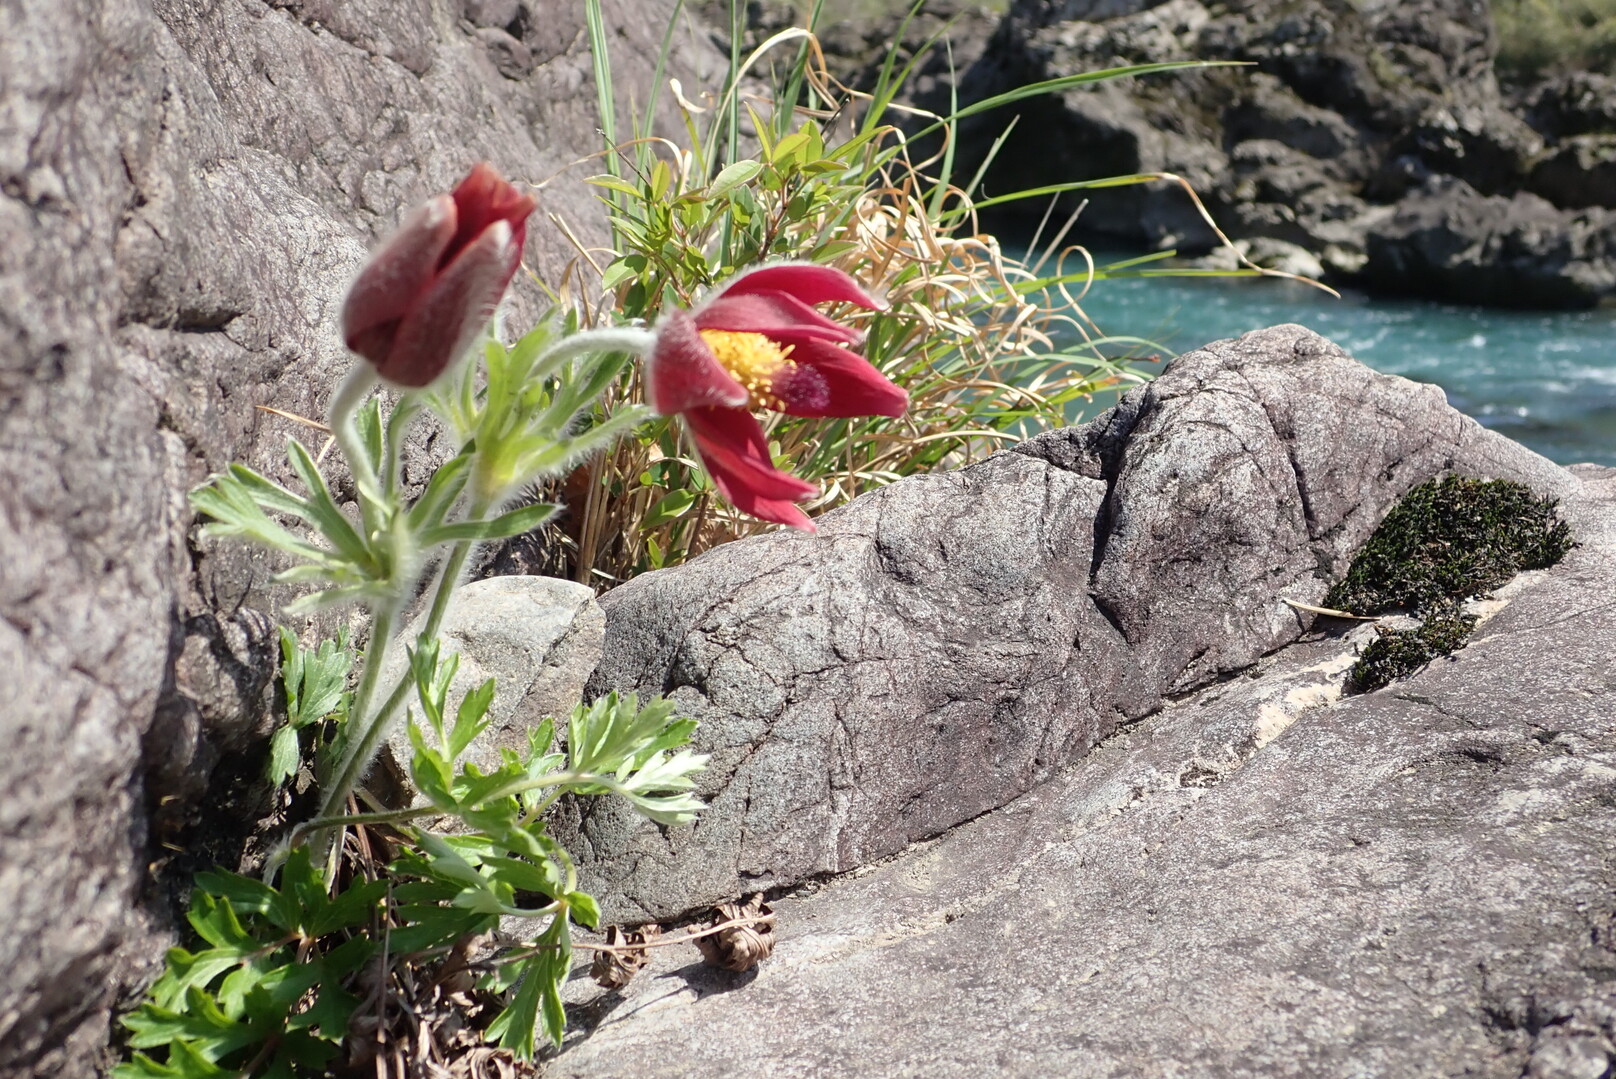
(186, 189)
(1262, 878)
(946, 643)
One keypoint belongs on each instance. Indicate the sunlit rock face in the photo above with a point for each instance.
(948, 642)
(1266, 875)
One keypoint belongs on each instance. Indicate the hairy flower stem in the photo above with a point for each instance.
(356, 753)
(360, 751)
(344, 403)
(453, 567)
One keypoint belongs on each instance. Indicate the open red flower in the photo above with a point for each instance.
(758, 342)
(431, 287)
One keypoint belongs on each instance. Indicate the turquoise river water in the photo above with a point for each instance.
(1547, 379)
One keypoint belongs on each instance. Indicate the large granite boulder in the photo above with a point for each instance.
(1264, 878)
(947, 643)
(185, 190)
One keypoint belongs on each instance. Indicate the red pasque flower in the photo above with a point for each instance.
(757, 342)
(431, 287)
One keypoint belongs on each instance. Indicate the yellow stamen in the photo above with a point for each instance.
(752, 360)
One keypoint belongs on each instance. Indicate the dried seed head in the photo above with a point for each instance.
(615, 969)
(741, 946)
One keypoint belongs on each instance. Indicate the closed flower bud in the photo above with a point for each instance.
(428, 291)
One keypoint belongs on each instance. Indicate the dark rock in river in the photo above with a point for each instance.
(945, 644)
(1261, 877)
(1582, 172)
(1579, 103)
(1448, 242)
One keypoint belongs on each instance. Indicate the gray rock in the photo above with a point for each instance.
(185, 190)
(1449, 242)
(945, 644)
(1263, 878)
(1581, 173)
(1485, 144)
(1269, 254)
(1573, 103)
(1269, 111)
(539, 638)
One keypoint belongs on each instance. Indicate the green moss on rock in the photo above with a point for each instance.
(1397, 653)
(1446, 541)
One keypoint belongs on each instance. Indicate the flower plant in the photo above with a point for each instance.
(273, 991)
(988, 347)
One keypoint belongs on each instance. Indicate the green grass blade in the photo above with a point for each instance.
(602, 63)
(1067, 82)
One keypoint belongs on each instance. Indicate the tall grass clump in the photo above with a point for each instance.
(786, 163)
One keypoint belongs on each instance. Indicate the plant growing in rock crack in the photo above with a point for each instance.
(297, 967)
(1446, 541)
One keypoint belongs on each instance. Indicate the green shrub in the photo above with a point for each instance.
(1446, 541)
(1449, 540)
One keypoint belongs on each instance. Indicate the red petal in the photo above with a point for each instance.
(395, 275)
(447, 317)
(804, 281)
(770, 314)
(681, 373)
(731, 446)
(376, 343)
(483, 198)
(851, 384)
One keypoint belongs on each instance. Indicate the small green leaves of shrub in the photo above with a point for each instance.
(1397, 653)
(1448, 540)
(315, 683)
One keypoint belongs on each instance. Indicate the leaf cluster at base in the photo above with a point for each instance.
(285, 968)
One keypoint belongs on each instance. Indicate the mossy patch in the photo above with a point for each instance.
(1397, 653)
(1446, 541)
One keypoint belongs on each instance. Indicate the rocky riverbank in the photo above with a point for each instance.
(1112, 806)
(1375, 137)
(186, 191)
